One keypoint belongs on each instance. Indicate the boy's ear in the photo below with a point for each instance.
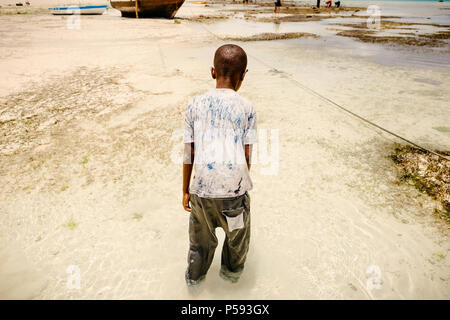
(213, 72)
(243, 74)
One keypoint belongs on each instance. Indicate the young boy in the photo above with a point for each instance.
(220, 128)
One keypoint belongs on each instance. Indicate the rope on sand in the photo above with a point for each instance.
(341, 107)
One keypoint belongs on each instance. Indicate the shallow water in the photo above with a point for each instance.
(388, 55)
(321, 226)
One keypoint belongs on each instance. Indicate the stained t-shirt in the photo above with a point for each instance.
(219, 123)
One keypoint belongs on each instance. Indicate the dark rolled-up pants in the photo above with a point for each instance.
(233, 216)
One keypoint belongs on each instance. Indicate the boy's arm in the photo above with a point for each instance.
(248, 154)
(187, 171)
(250, 136)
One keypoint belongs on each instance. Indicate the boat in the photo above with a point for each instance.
(77, 9)
(147, 8)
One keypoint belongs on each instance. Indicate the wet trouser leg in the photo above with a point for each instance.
(236, 244)
(202, 240)
(233, 215)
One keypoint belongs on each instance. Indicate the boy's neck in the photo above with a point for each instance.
(225, 84)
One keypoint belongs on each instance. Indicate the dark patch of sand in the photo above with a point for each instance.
(441, 35)
(293, 18)
(206, 18)
(383, 25)
(366, 17)
(7, 11)
(387, 24)
(273, 36)
(364, 34)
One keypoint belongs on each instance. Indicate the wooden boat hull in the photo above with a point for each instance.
(148, 8)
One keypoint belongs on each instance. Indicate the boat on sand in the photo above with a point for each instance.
(76, 9)
(147, 8)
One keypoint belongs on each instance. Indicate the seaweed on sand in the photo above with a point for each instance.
(273, 36)
(361, 32)
(205, 18)
(294, 18)
(441, 35)
(427, 172)
(387, 24)
(370, 37)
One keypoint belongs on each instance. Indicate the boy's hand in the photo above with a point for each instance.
(187, 170)
(186, 197)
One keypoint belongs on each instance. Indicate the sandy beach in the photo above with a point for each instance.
(90, 139)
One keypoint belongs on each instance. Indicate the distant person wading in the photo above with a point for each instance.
(277, 6)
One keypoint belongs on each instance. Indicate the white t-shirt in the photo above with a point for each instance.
(220, 123)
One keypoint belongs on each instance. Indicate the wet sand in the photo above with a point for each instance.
(90, 132)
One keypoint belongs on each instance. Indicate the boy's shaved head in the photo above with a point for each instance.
(230, 60)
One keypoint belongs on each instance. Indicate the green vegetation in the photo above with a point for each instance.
(440, 255)
(84, 161)
(442, 129)
(71, 224)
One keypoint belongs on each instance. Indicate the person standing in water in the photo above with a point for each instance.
(277, 6)
(220, 129)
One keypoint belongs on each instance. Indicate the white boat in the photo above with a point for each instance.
(77, 9)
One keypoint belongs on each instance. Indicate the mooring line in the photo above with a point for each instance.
(341, 107)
